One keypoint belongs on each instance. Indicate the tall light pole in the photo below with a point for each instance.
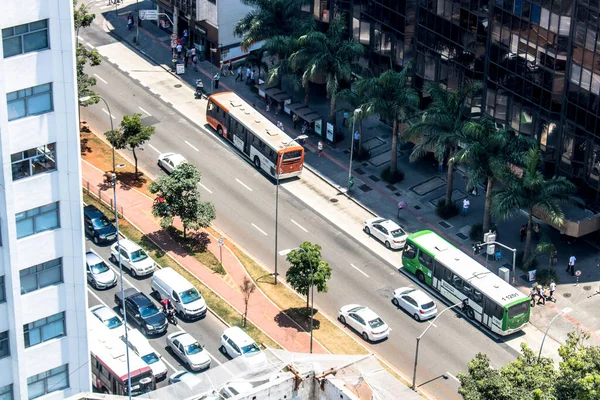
(356, 111)
(565, 310)
(414, 381)
(312, 289)
(277, 172)
(114, 183)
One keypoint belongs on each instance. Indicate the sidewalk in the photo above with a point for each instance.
(422, 187)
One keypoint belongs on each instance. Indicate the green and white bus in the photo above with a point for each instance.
(456, 276)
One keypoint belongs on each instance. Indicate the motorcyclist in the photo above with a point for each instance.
(167, 306)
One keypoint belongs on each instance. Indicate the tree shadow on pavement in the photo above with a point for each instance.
(128, 181)
(163, 239)
(297, 318)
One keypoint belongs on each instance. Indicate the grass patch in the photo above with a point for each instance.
(213, 301)
(325, 331)
(195, 245)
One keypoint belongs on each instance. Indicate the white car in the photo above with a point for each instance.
(386, 231)
(236, 343)
(170, 161)
(189, 350)
(133, 258)
(415, 302)
(364, 321)
(233, 389)
(141, 347)
(107, 316)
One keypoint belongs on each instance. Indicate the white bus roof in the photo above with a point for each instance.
(252, 120)
(469, 269)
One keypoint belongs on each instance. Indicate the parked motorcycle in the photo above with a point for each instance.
(199, 88)
(172, 317)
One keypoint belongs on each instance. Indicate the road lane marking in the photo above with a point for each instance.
(168, 364)
(154, 148)
(298, 225)
(260, 230)
(244, 185)
(144, 111)
(452, 376)
(96, 296)
(80, 38)
(99, 77)
(107, 113)
(90, 45)
(359, 270)
(191, 145)
(207, 189)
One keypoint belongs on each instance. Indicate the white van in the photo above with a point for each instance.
(141, 346)
(188, 301)
(236, 343)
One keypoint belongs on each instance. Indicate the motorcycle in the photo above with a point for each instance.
(199, 88)
(171, 316)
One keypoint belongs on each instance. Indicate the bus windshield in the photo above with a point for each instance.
(518, 309)
(290, 155)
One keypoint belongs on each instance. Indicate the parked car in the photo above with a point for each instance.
(187, 300)
(141, 311)
(170, 161)
(107, 316)
(97, 226)
(99, 274)
(364, 321)
(133, 258)
(236, 343)
(386, 231)
(142, 348)
(415, 302)
(183, 376)
(233, 389)
(188, 350)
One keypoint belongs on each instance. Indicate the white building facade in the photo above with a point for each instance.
(43, 333)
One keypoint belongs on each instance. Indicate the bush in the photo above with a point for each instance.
(396, 177)
(363, 154)
(476, 232)
(544, 276)
(446, 211)
(533, 262)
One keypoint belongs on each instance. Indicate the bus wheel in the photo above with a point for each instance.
(257, 162)
(470, 313)
(421, 276)
(220, 130)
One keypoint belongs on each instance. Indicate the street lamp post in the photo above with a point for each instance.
(279, 159)
(312, 289)
(114, 183)
(414, 380)
(565, 310)
(352, 146)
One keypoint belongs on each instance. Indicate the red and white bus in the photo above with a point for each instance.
(254, 135)
(109, 364)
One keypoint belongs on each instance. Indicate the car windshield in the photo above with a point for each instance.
(193, 348)
(113, 322)
(100, 222)
(138, 255)
(427, 306)
(376, 323)
(250, 349)
(149, 311)
(398, 233)
(150, 358)
(99, 268)
(189, 295)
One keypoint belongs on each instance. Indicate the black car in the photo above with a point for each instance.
(142, 312)
(100, 229)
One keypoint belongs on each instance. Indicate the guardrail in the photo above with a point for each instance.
(102, 194)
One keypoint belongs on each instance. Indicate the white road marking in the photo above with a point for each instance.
(91, 46)
(168, 364)
(431, 323)
(96, 296)
(98, 76)
(298, 225)
(144, 111)
(260, 230)
(80, 38)
(154, 148)
(207, 189)
(452, 376)
(107, 113)
(359, 270)
(244, 185)
(191, 145)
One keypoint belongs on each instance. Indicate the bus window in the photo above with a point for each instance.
(409, 251)
(438, 270)
(425, 259)
(493, 310)
(457, 282)
(467, 290)
(477, 296)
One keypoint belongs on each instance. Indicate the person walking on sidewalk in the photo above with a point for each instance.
(248, 75)
(179, 50)
(571, 265)
(239, 74)
(552, 290)
(295, 120)
(130, 21)
(465, 207)
(252, 77)
(356, 140)
(188, 56)
(217, 78)
(320, 148)
(195, 62)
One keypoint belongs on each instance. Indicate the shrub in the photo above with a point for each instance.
(362, 155)
(544, 276)
(396, 177)
(446, 211)
(523, 264)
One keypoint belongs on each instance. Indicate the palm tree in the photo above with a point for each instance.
(441, 128)
(255, 58)
(356, 98)
(487, 149)
(530, 191)
(282, 46)
(392, 98)
(328, 54)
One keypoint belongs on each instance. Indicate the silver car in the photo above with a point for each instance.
(99, 274)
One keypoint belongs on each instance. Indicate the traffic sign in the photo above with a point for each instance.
(173, 43)
(148, 15)
(221, 241)
(173, 36)
(577, 273)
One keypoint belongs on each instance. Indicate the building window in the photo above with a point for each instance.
(41, 275)
(48, 382)
(33, 161)
(32, 101)
(37, 220)
(25, 38)
(2, 290)
(6, 392)
(4, 349)
(44, 329)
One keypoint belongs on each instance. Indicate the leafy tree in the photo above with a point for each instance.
(179, 197)
(82, 17)
(530, 190)
(328, 54)
(299, 275)
(356, 99)
(255, 58)
(247, 288)
(441, 128)
(131, 134)
(487, 149)
(393, 99)
(83, 56)
(284, 46)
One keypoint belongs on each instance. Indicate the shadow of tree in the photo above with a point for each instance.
(128, 179)
(85, 149)
(194, 242)
(292, 317)
(163, 239)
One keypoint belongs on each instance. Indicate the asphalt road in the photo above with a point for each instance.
(245, 204)
(207, 330)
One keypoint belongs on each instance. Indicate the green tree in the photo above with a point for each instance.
(393, 99)
(356, 98)
(82, 17)
(255, 58)
(181, 198)
(132, 134)
(299, 276)
(83, 56)
(530, 190)
(284, 46)
(441, 127)
(329, 55)
(487, 149)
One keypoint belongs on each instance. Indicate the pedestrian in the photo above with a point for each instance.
(401, 206)
(320, 148)
(280, 125)
(268, 108)
(536, 231)
(179, 49)
(523, 232)
(345, 118)
(295, 120)
(554, 259)
(279, 109)
(552, 290)
(465, 207)
(188, 57)
(248, 72)
(252, 77)
(195, 62)
(239, 74)
(229, 68)
(193, 52)
(356, 140)
(474, 191)
(216, 78)
(185, 36)
(541, 295)
(571, 265)
(304, 127)
(441, 164)
(130, 21)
